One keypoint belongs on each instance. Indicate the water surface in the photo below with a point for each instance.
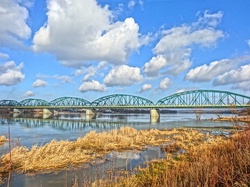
(35, 131)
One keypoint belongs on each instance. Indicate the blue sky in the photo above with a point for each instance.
(150, 48)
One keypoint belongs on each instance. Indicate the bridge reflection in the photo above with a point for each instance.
(66, 123)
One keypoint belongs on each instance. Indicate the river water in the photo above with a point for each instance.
(26, 131)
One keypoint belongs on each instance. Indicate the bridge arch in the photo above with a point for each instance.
(205, 98)
(69, 101)
(121, 100)
(34, 102)
(8, 103)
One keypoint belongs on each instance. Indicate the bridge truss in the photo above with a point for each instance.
(204, 99)
(117, 100)
(187, 99)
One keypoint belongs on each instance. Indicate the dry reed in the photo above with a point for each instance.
(217, 162)
(2, 140)
(61, 154)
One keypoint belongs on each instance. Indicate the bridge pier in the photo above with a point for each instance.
(154, 115)
(15, 110)
(90, 114)
(47, 113)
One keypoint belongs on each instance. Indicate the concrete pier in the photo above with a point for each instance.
(47, 113)
(90, 114)
(154, 115)
(15, 110)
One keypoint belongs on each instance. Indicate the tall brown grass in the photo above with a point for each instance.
(217, 162)
(62, 154)
(2, 140)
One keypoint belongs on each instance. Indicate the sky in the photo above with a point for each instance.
(148, 48)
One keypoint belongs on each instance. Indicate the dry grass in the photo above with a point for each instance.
(2, 140)
(217, 162)
(61, 154)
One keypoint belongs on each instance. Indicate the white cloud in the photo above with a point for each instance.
(13, 19)
(245, 86)
(177, 43)
(248, 43)
(234, 76)
(209, 19)
(92, 70)
(42, 76)
(123, 76)
(131, 4)
(164, 84)
(146, 87)
(28, 94)
(10, 74)
(39, 83)
(4, 56)
(91, 36)
(78, 72)
(209, 72)
(177, 68)
(63, 78)
(92, 86)
(152, 68)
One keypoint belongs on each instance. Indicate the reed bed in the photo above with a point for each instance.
(57, 155)
(216, 162)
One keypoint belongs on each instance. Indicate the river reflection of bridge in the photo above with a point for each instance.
(68, 124)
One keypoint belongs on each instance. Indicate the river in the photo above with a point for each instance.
(36, 131)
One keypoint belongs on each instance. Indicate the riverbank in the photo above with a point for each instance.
(56, 156)
(235, 118)
(213, 163)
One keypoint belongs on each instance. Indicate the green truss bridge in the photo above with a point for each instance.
(188, 99)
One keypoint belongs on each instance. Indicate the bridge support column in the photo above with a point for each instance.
(154, 115)
(47, 113)
(90, 114)
(16, 112)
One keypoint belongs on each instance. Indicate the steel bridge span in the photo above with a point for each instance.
(187, 99)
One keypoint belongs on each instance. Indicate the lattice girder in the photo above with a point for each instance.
(69, 101)
(205, 98)
(121, 100)
(34, 102)
(8, 103)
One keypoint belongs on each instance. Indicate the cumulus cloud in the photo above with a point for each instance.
(74, 39)
(234, 76)
(209, 72)
(176, 44)
(92, 70)
(123, 76)
(164, 84)
(145, 87)
(92, 86)
(152, 68)
(13, 18)
(39, 83)
(28, 94)
(11, 74)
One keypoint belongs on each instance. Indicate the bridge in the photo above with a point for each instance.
(187, 99)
